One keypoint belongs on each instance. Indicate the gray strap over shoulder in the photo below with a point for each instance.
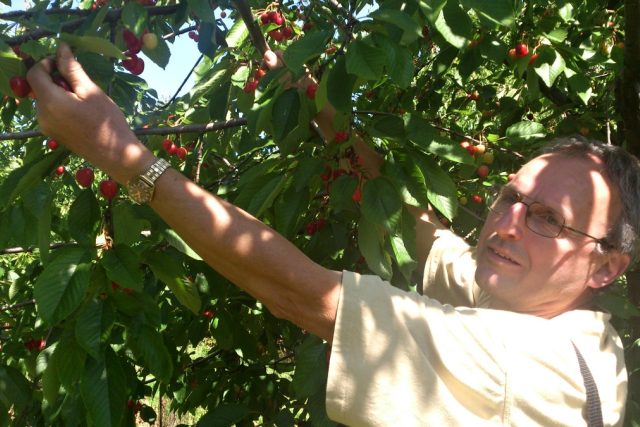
(594, 409)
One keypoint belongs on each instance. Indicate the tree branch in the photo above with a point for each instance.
(169, 130)
(19, 249)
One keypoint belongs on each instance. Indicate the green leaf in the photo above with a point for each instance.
(441, 190)
(38, 203)
(558, 35)
(98, 45)
(237, 34)
(285, 114)
(525, 131)
(263, 199)
(14, 388)
(224, 415)
(61, 286)
(581, 86)
(122, 266)
(202, 10)
(160, 54)
(500, 12)
(128, 223)
(171, 273)
(310, 375)
(618, 306)
(381, 204)
(93, 326)
(134, 17)
(371, 244)
(147, 344)
(209, 83)
(565, 12)
(29, 175)
(365, 61)
(50, 381)
(176, 241)
(305, 49)
(68, 359)
(405, 262)
(549, 66)
(387, 127)
(428, 138)
(84, 218)
(454, 24)
(103, 390)
(340, 85)
(411, 30)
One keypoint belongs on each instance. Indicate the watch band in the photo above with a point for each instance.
(154, 172)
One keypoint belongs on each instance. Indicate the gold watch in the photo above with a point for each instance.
(141, 187)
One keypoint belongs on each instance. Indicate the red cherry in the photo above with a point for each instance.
(314, 226)
(108, 189)
(533, 58)
(259, 73)
(338, 173)
(250, 86)
(133, 43)
(41, 344)
(127, 291)
(209, 314)
(287, 33)
(330, 50)
(264, 18)
(60, 170)
(276, 35)
(357, 195)
(181, 153)
(512, 54)
(307, 26)
(276, 18)
(341, 136)
(166, 145)
(311, 90)
(476, 199)
(482, 171)
(522, 50)
(223, 14)
(173, 149)
(115, 286)
(84, 177)
(52, 144)
(19, 86)
(134, 64)
(60, 81)
(474, 96)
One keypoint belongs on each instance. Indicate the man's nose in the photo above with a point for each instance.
(510, 225)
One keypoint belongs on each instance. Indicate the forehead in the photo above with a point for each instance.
(575, 186)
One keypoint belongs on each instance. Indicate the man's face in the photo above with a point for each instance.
(529, 273)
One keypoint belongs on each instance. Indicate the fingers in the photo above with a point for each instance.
(39, 76)
(272, 59)
(71, 70)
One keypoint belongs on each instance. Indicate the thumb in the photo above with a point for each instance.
(272, 59)
(71, 69)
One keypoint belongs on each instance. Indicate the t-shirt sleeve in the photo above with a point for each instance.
(450, 270)
(397, 355)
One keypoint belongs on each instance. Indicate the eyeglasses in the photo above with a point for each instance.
(539, 218)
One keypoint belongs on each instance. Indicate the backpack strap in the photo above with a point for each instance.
(594, 409)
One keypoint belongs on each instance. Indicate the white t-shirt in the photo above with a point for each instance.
(399, 358)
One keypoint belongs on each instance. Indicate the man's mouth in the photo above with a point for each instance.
(503, 255)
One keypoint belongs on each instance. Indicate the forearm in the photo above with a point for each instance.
(250, 254)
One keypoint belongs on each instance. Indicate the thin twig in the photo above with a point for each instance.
(169, 130)
(18, 305)
(18, 249)
(175, 95)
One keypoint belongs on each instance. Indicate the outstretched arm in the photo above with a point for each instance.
(371, 162)
(250, 254)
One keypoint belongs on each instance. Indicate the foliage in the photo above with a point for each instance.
(120, 302)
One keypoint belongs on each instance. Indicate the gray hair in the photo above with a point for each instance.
(623, 170)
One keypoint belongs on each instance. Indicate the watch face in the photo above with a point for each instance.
(139, 191)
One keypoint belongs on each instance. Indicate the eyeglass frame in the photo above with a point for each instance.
(603, 242)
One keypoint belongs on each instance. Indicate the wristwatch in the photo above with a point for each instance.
(141, 187)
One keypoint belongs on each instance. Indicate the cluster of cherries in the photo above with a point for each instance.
(36, 344)
(283, 32)
(174, 150)
(521, 51)
(134, 64)
(85, 176)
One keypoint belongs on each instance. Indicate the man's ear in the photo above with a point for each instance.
(611, 266)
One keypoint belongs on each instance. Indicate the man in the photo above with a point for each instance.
(558, 232)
